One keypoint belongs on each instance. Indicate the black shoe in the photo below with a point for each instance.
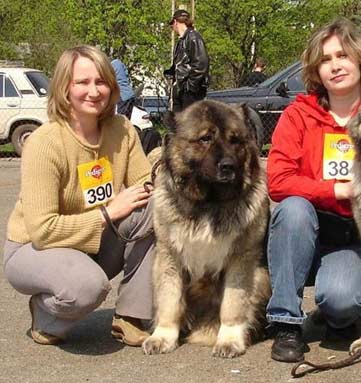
(288, 345)
(348, 333)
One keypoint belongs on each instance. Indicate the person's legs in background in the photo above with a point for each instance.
(182, 99)
(188, 98)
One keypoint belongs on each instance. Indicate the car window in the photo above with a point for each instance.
(277, 76)
(39, 81)
(295, 83)
(10, 90)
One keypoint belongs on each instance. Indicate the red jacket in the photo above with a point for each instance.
(295, 166)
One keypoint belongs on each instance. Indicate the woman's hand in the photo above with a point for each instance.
(343, 190)
(128, 200)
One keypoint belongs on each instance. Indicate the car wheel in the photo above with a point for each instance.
(19, 136)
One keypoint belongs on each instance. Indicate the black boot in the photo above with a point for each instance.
(348, 333)
(288, 345)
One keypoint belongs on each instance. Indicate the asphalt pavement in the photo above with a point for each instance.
(92, 355)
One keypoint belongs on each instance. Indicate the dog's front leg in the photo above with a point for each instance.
(233, 333)
(168, 285)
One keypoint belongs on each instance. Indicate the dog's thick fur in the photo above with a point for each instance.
(210, 218)
(354, 129)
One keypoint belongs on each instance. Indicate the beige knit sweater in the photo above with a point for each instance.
(51, 211)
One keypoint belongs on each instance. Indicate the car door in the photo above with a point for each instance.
(280, 96)
(284, 92)
(9, 103)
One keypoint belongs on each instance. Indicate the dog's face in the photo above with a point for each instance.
(212, 153)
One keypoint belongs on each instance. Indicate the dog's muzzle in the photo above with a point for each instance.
(226, 170)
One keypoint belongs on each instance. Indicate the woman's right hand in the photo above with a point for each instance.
(128, 200)
(343, 190)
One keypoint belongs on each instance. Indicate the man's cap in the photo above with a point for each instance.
(178, 13)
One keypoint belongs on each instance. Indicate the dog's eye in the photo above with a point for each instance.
(235, 140)
(207, 139)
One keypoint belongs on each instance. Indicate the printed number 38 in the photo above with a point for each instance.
(99, 194)
(338, 168)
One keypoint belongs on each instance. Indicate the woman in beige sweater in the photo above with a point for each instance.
(82, 182)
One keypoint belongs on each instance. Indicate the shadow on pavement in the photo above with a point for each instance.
(91, 336)
(315, 330)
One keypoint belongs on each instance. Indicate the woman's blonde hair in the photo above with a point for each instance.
(59, 107)
(350, 39)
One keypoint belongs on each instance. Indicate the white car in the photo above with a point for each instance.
(23, 104)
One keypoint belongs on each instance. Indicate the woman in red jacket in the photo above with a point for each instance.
(311, 229)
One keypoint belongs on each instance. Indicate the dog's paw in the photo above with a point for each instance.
(355, 346)
(162, 341)
(228, 350)
(230, 341)
(156, 345)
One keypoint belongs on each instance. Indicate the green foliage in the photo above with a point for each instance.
(238, 31)
(7, 148)
(136, 31)
(34, 31)
(132, 30)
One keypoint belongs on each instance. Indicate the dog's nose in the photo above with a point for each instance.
(226, 166)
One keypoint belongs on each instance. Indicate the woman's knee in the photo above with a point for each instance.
(338, 303)
(295, 211)
(140, 221)
(338, 292)
(292, 239)
(293, 228)
(81, 294)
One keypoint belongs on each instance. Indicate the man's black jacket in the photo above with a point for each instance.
(190, 63)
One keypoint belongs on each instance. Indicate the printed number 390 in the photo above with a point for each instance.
(338, 168)
(99, 193)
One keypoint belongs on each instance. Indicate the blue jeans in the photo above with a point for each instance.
(293, 252)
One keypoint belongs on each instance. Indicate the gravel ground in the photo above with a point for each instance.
(91, 355)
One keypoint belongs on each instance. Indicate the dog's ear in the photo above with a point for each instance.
(354, 129)
(251, 126)
(166, 138)
(254, 124)
(169, 121)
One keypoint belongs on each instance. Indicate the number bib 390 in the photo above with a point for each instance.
(338, 155)
(96, 182)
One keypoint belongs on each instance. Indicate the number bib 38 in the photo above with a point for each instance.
(96, 182)
(338, 155)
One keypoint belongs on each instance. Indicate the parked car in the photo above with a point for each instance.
(269, 98)
(155, 103)
(156, 106)
(23, 103)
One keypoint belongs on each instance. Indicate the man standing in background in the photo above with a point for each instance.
(257, 76)
(190, 68)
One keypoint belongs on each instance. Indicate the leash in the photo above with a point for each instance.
(153, 173)
(110, 223)
(349, 361)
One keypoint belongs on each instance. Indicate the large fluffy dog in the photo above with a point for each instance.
(354, 129)
(211, 211)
